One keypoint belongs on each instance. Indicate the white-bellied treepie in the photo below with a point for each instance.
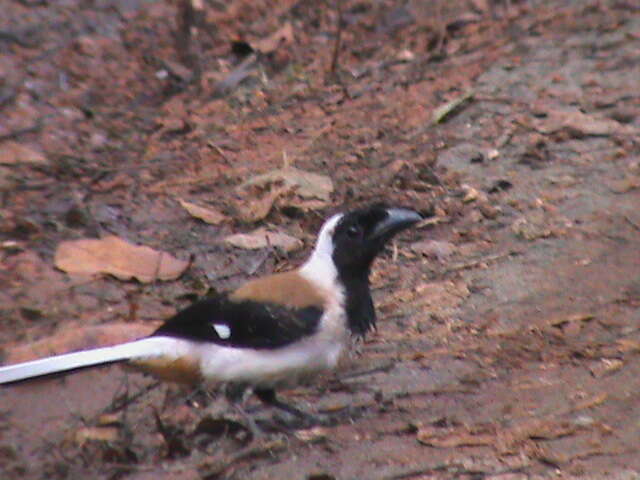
(272, 332)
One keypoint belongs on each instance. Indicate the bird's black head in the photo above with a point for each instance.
(360, 235)
(350, 242)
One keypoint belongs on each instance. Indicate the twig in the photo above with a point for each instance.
(442, 113)
(119, 404)
(456, 468)
(433, 221)
(414, 471)
(252, 269)
(219, 151)
(132, 297)
(479, 261)
(260, 450)
(385, 367)
(632, 223)
(189, 18)
(175, 446)
(338, 42)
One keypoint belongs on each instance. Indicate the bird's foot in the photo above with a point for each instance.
(302, 420)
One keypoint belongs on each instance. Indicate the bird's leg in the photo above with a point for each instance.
(234, 393)
(268, 396)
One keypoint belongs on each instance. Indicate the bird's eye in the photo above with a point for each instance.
(354, 231)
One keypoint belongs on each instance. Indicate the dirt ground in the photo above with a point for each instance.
(508, 345)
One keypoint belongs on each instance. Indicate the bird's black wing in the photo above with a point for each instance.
(242, 324)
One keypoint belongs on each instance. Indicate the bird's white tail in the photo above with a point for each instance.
(147, 347)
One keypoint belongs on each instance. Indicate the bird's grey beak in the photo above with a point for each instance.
(397, 220)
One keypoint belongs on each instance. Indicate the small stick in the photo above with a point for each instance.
(120, 403)
(632, 223)
(338, 42)
(479, 261)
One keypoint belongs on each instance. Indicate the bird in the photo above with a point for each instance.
(273, 332)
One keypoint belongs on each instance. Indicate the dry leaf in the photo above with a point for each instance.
(312, 435)
(606, 366)
(438, 249)
(283, 35)
(584, 124)
(119, 258)
(530, 228)
(12, 153)
(172, 124)
(255, 209)
(625, 185)
(489, 211)
(510, 439)
(628, 345)
(308, 185)
(570, 325)
(480, 5)
(450, 438)
(261, 238)
(581, 124)
(542, 428)
(565, 319)
(504, 440)
(101, 434)
(109, 420)
(206, 214)
(591, 401)
(470, 194)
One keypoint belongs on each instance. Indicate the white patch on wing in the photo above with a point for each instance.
(223, 331)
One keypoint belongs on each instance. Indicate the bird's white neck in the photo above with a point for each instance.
(320, 268)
